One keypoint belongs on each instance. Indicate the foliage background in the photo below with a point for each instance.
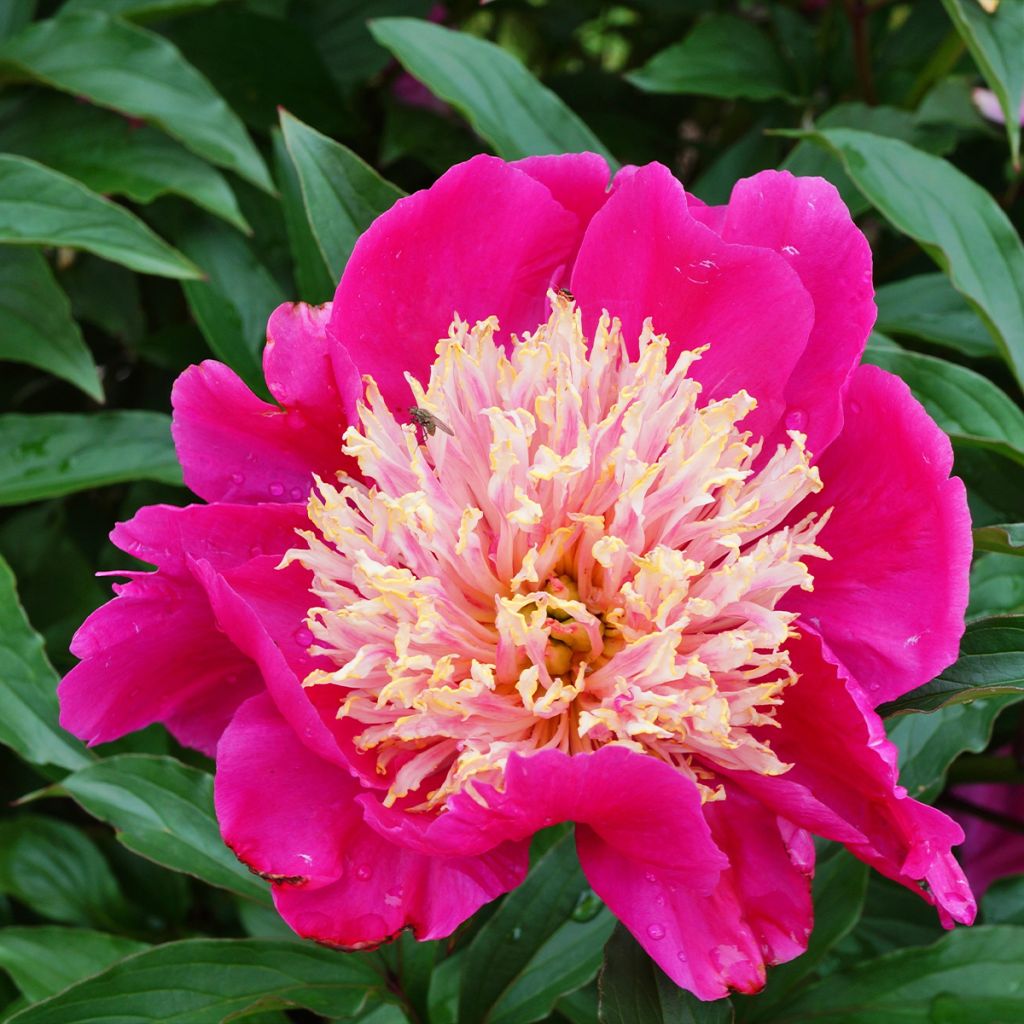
(171, 170)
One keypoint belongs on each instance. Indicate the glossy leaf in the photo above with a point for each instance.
(341, 194)
(1005, 538)
(163, 810)
(117, 64)
(45, 455)
(997, 586)
(28, 689)
(211, 980)
(723, 56)
(500, 98)
(954, 219)
(36, 326)
(991, 663)
(1003, 902)
(39, 206)
(138, 9)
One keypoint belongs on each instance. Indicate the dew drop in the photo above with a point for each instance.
(796, 419)
(660, 900)
(276, 490)
(587, 906)
(656, 931)
(393, 897)
(650, 876)
(681, 957)
(237, 478)
(296, 494)
(517, 933)
(363, 872)
(255, 551)
(303, 637)
(791, 250)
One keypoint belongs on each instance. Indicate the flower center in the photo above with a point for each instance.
(583, 556)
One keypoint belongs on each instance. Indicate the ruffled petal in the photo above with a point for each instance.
(891, 602)
(234, 446)
(486, 239)
(644, 255)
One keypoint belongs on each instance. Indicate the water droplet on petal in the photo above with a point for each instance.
(656, 931)
(796, 419)
(296, 494)
(791, 250)
(303, 637)
(255, 551)
(276, 490)
(650, 876)
(237, 478)
(363, 872)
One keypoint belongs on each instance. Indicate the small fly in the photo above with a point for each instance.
(428, 421)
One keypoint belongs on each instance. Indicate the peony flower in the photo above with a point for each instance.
(991, 850)
(640, 554)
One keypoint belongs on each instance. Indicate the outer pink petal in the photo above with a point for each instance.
(891, 602)
(759, 912)
(235, 447)
(644, 255)
(806, 221)
(292, 818)
(844, 769)
(485, 239)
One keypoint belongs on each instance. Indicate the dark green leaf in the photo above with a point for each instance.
(204, 981)
(996, 42)
(1003, 901)
(36, 326)
(39, 206)
(991, 663)
(506, 105)
(140, 10)
(634, 990)
(983, 961)
(15, 15)
(342, 195)
(48, 454)
(954, 219)
(928, 307)
(968, 406)
(163, 810)
(117, 64)
(28, 955)
(997, 586)
(112, 156)
(28, 689)
(724, 56)
(1005, 538)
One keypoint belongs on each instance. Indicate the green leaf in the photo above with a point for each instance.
(929, 744)
(110, 155)
(991, 663)
(634, 990)
(342, 195)
(163, 810)
(36, 326)
(1003, 901)
(28, 689)
(202, 981)
(117, 64)
(966, 405)
(996, 42)
(15, 15)
(723, 56)
(503, 102)
(544, 941)
(928, 307)
(1004, 538)
(44, 455)
(27, 954)
(140, 10)
(39, 206)
(953, 218)
(997, 586)
(56, 870)
(983, 962)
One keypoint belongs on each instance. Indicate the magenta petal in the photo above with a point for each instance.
(806, 221)
(759, 912)
(235, 447)
(991, 852)
(486, 239)
(644, 255)
(891, 602)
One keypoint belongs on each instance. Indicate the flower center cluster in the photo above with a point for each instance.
(585, 555)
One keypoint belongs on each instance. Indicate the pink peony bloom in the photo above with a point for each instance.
(648, 570)
(990, 851)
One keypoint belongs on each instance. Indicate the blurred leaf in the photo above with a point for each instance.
(117, 64)
(56, 870)
(983, 961)
(505, 104)
(106, 295)
(109, 154)
(163, 810)
(995, 486)
(929, 744)
(952, 217)
(39, 206)
(996, 42)
(15, 15)
(928, 307)
(543, 941)
(36, 326)
(28, 689)
(1005, 538)
(634, 990)
(579, 1007)
(997, 586)
(723, 56)
(991, 662)
(208, 980)
(1003, 901)
(342, 194)
(48, 454)
(966, 405)
(27, 954)
(753, 151)
(137, 9)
